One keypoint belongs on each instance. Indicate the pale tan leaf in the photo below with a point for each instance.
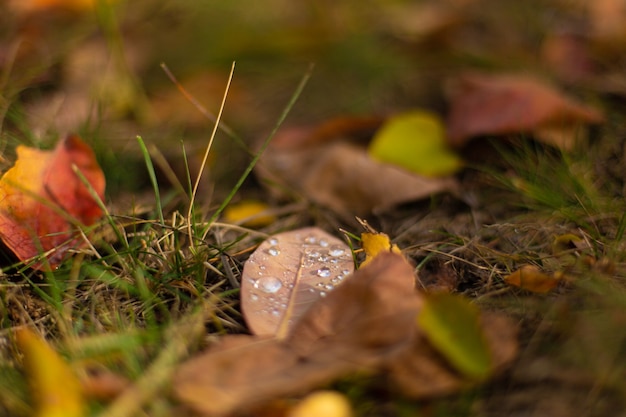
(287, 274)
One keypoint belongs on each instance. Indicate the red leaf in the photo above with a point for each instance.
(42, 200)
(493, 105)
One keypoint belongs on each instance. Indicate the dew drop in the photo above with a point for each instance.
(323, 243)
(272, 241)
(268, 284)
(329, 287)
(336, 250)
(273, 251)
(311, 240)
(254, 297)
(311, 289)
(346, 272)
(275, 312)
(323, 272)
(336, 280)
(323, 258)
(313, 253)
(322, 294)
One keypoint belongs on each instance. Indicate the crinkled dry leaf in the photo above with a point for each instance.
(41, 199)
(369, 316)
(344, 178)
(330, 166)
(357, 326)
(500, 104)
(531, 278)
(366, 324)
(287, 274)
(55, 388)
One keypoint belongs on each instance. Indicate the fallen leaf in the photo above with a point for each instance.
(55, 388)
(531, 278)
(499, 104)
(607, 21)
(567, 243)
(370, 316)
(367, 324)
(330, 166)
(103, 385)
(343, 177)
(452, 325)
(357, 326)
(322, 403)
(289, 272)
(422, 22)
(421, 372)
(249, 213)
(353, 128)
(42, 199)
(32, 6)
(569, 56)
(416, 142)
(375, 243)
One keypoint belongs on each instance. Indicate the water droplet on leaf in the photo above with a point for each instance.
(268, 284)
(324, 272)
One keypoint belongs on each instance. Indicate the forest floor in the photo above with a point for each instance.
(168, 245)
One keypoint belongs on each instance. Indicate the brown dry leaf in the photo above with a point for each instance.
(366, 324)
(363, 322)
(343, 177)
(287, 274)
(484, 104)
(531, 278)
(372, 315)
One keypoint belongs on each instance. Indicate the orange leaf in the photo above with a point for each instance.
(530, 278)
(42, 199)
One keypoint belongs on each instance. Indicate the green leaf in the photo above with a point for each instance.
(416, 142)
(452, 325)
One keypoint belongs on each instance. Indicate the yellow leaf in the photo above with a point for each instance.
(452, 324)
(416, 142)
(322, 403)
(374, 243)
(249, 213)
(55, 388)
(531, 278)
